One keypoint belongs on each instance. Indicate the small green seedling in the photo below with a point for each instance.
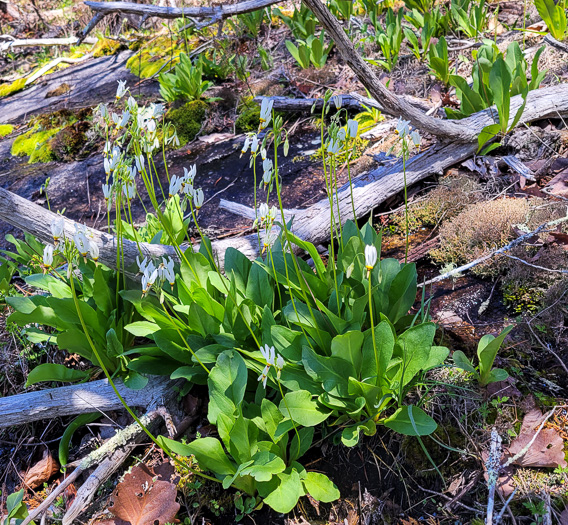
(486, 352)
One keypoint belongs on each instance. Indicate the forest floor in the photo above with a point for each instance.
(387, 478)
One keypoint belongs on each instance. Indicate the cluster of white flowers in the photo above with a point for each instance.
(184, 186)
(404, 129)
(266, 112)
(265, 216)
(252, 142)
(150, 272)
(269, 354)
(337, 141)
(82, 238)
(267, 171)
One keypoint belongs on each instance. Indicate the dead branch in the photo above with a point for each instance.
(212, 14)
(55, 62)
(77, 399)
(397, 106)
(7, 42)
(551, 41)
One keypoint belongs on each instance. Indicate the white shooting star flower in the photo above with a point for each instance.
(266, 112)
(352, 128)
(370, 257)
(57, 227)
(48, 256)
(121, 90)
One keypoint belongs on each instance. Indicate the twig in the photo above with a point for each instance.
(499, 251)
(534, 265)
(505, 506)
(526, 448)
(493, 467)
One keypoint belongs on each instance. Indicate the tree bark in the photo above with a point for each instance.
(78, 399)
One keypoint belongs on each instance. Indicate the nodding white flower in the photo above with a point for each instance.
(332, 147)
(115, 118)
(416, 138)
(81, 242)
(370, 257)
(57, 227)
(131, 103)
(140, 162)
(124, 119)
(148, 280)
(121, 90)
(402, 127)
(269, 354)
(263, 212)
(352, 128)
(132, 172)
(129, 190)
(156, 110)
(341, 135)
(189, 174)
(103, 110)
(145, 265)
(141, 121)
(175, 185)
(151, 126)
(263, 153)
(198, 198)
(338, 101)
(265, 112)
(246, 145)
(267, 239)
(107, 149)
(264, 376)
(48, 255)
(112, 160)
(94, 250)
(107, 191)
(168, 271)
(254, 144)
(187, 188)
(267, 167)
(280, 363)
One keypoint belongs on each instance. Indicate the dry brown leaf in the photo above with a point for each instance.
(42, 471)
(547, 450)
(143, 499)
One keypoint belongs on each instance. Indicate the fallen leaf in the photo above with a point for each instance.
(42, 471)
(547, 450)
(143, 499)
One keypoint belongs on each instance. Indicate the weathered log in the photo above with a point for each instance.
(11, 43)
(78, 399)
(214, 13)
(352, 102)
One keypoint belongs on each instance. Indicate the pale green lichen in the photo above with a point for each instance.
(35, 144)
(6, 129)
(13, 87)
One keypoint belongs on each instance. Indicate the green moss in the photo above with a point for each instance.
(188, 120)
(57, 119)
(249, 119)
(6, 129)
(9, 88)
(150, 58)
(105, 46)
(59, 90)
(35, 144)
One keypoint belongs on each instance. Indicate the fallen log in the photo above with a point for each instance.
(10, 43)
(78, 399)
(352, 102)
(214, 14)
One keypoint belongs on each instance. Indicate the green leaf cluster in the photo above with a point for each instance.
(185, 83)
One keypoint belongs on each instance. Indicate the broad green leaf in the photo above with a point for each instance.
(303, 409)
(488, 133)
(384, 340)
(461, 361)
(208, 452)
(265, 465)
(271, 417)
(350, 435)
(54, 372)
(332, 372)
(142, 328)
(487, 349)
(286, 493)
(411, 421)
(348, 347)
(227, 383)
(320, 487)
(259, 288)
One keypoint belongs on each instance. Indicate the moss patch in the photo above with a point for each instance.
(35, 144)
(14, 87)
(70, 141)
(6, 129)
(105, 46)
(188, 120)
(150, 58)
(249, 119)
